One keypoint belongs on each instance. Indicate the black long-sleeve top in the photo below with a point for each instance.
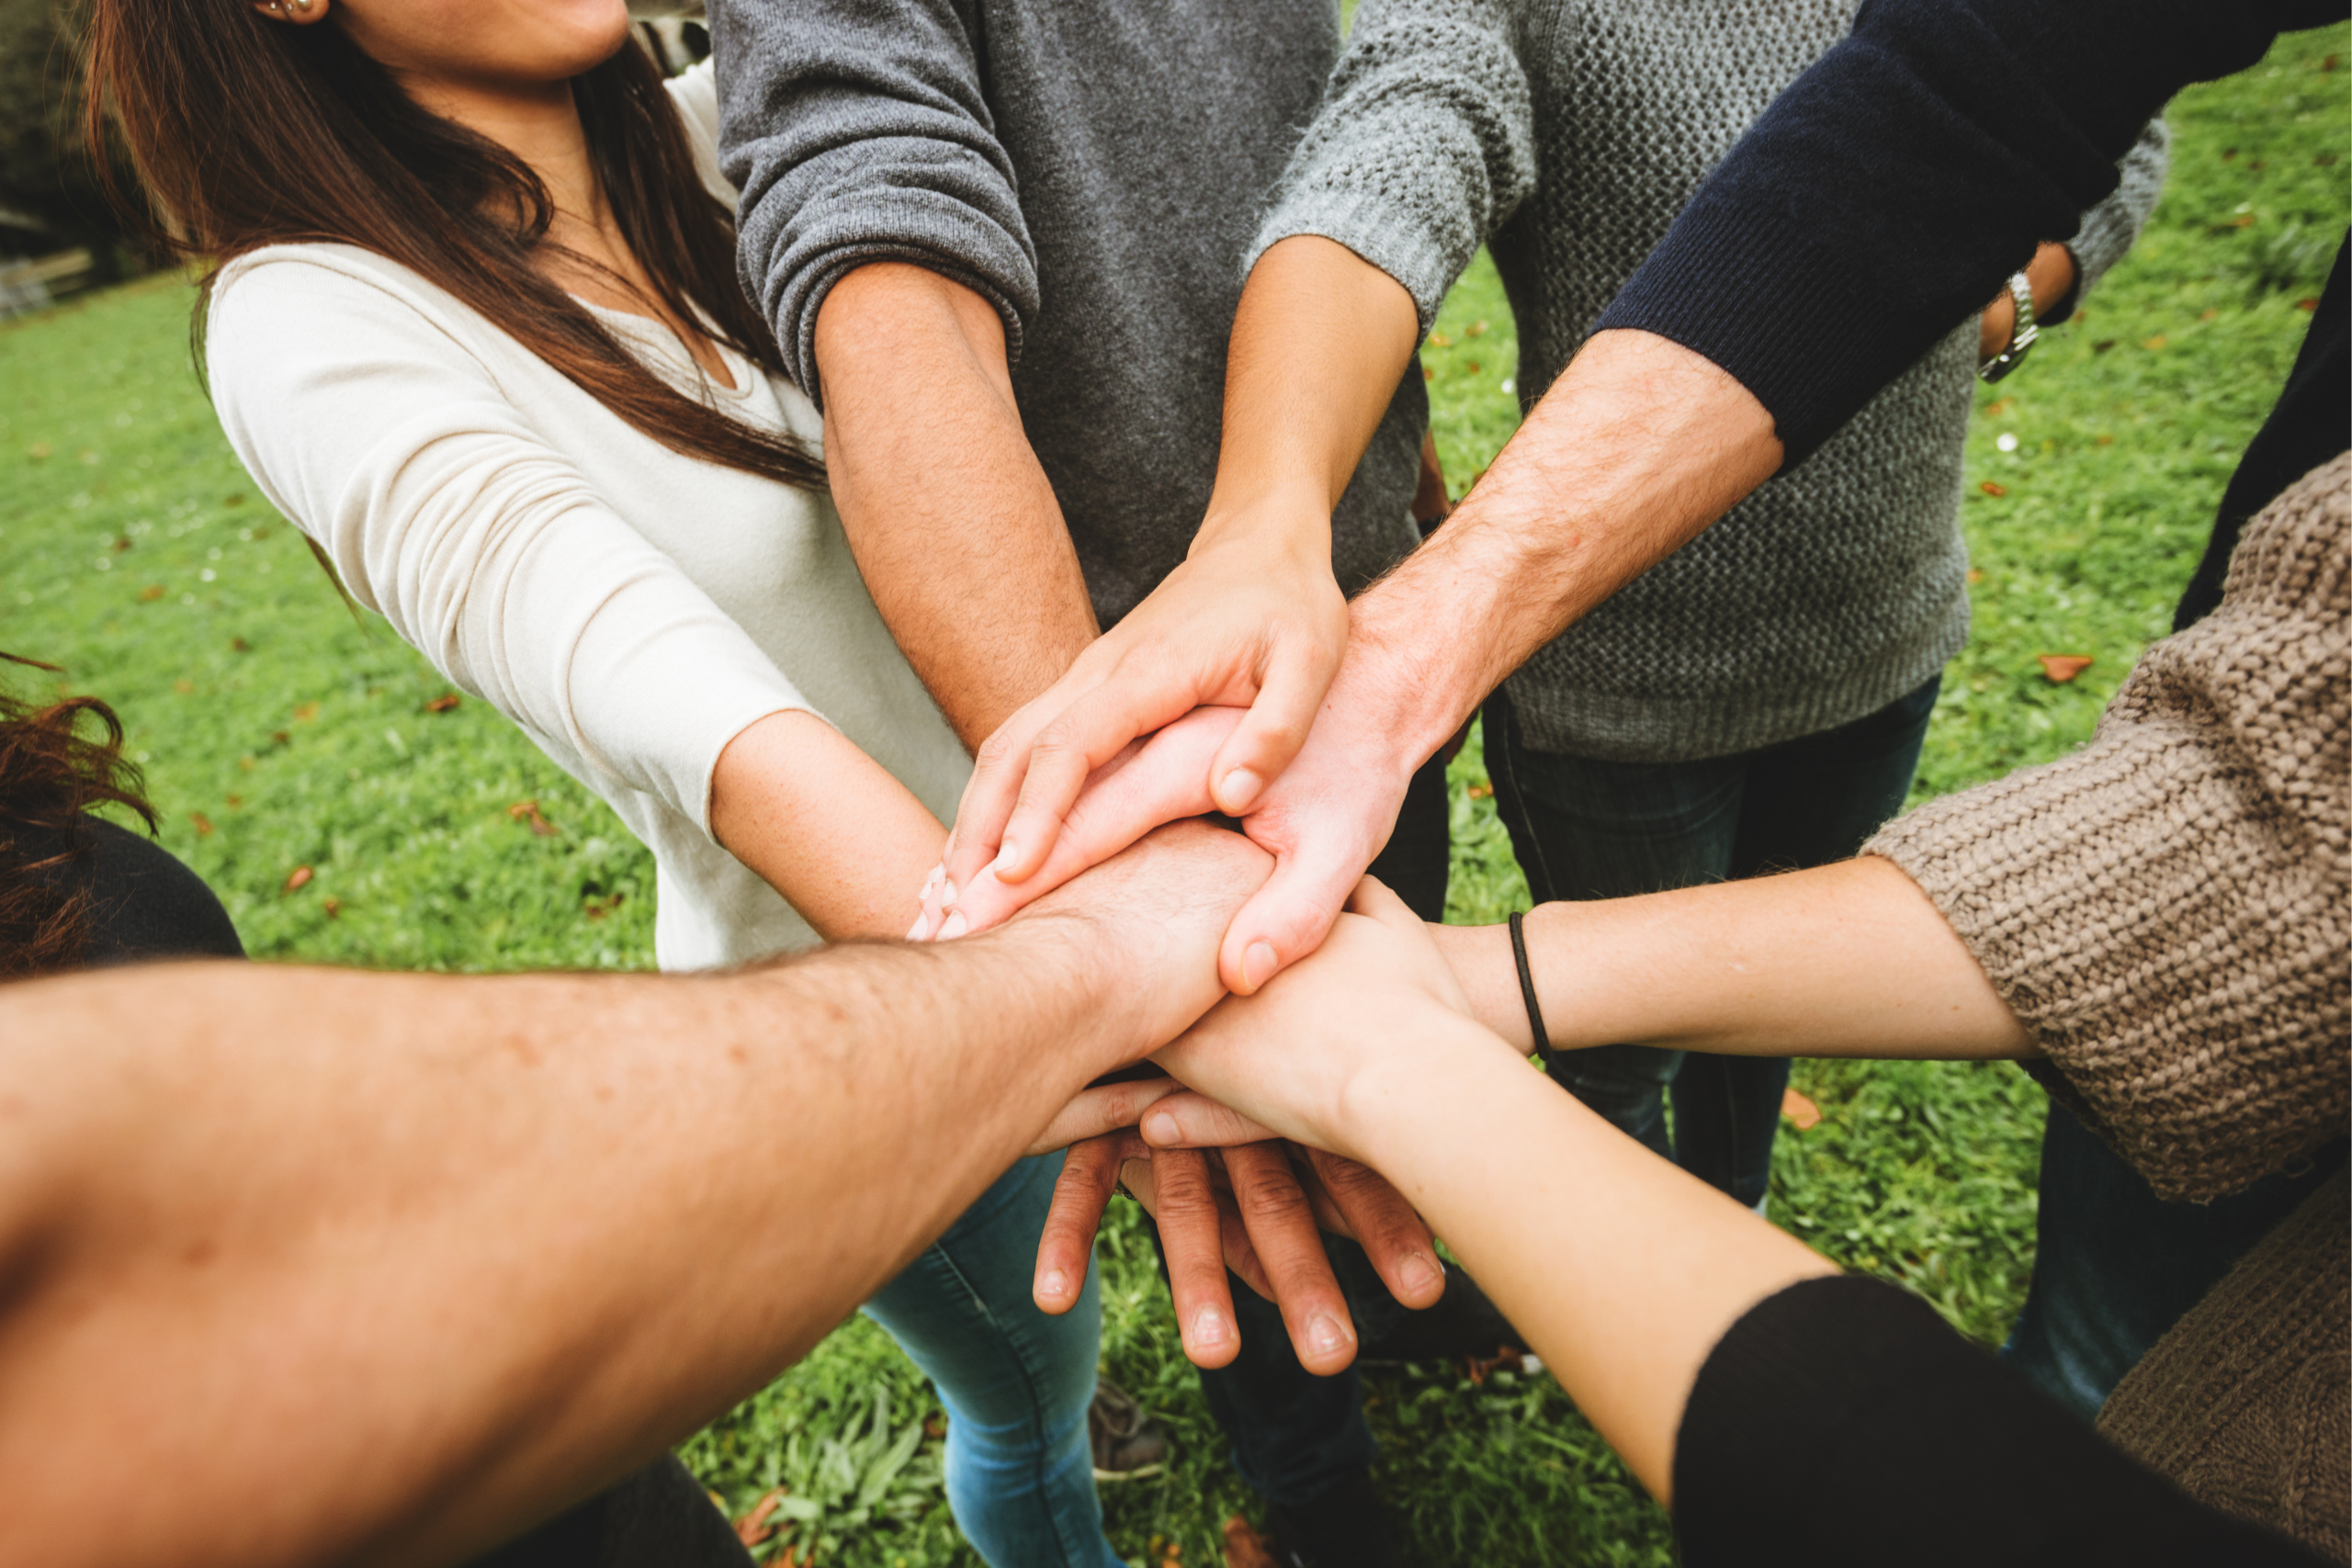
(1840, 1422)
(1918, 165)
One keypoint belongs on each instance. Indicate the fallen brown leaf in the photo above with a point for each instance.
(298, 879)
(333, 906)
(2102, 345)
(443, 703)
(753, 1527)
(1474, 329)
(1802, 1112)
(279, 737)
(203, 823)
(239, 645)
(1245, 1548)
(306, 712)
(2062, 667)
(183, 686)
(1481, 791)
(150, 594)
(1995, 409)
(528, 811)
(1976, 575)
(2306, 304)
(235, 801)
(1989, 488)
(2154, 343)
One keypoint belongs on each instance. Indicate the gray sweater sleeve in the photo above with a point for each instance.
(1424, 144)
(2109, 229)
(856, 131)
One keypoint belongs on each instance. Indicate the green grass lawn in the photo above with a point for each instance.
(279, 732)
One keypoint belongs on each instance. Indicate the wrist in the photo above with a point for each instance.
(1286, 519)
(1384, 1112)
(1480, 957)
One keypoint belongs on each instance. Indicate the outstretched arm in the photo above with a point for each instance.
(383, 1267)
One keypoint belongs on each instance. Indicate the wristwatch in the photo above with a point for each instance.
(2021, 333)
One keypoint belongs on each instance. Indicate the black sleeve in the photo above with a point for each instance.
(1881, 199)
(1840, 1422)
(146, 905)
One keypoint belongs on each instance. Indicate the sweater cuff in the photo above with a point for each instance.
(2075, 885)
(1378, 231)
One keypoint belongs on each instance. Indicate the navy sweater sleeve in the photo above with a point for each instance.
(1840, 1422)
(1881, 199)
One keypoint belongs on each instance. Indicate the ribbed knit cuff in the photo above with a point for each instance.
(1381, 231)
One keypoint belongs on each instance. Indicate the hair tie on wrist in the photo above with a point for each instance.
(1527, 985)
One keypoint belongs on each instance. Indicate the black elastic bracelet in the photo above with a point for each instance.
(1527, 984)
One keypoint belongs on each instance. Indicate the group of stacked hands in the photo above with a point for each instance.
(457, 1279)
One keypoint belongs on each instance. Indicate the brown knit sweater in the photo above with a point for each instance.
(2165, 910)
(2244, 1402)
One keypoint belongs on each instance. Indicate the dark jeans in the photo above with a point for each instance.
(1296, 1436)
(1584, 829)
(2115, 1265)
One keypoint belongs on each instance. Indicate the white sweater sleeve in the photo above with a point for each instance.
(385, 439)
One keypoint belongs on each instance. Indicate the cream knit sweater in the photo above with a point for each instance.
(632, 609)
(2166, 909)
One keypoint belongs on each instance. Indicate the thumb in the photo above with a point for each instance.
(1271, 733)
(1289, 917)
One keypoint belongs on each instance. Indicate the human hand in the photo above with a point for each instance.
(1161, 778)
(1252, 619)
(1254, 1208)
(1375, 1010)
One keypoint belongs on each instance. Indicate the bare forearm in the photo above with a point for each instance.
(1847, 960)
(1637, 446)
(1320, 339)
(825, 825)
(953, 522)
(385, 1266)
(1622, 1269)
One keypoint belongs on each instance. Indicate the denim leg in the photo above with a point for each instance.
(2115, 1265)
(1807, 802)
(1584, 829)
(1015, 1381)
(1296, 1436)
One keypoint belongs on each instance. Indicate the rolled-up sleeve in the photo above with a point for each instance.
(1424, 144)
(857, 132)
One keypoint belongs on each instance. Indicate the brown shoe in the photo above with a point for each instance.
(1128, 1445)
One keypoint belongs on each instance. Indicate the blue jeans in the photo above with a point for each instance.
(1016, 1382)
(1585, 829)
(2115, 1265)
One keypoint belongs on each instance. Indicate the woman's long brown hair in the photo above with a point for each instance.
(249, 133)
(50, 775)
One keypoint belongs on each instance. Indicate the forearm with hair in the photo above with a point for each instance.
(953, 522)
(1635, 449)
(381, 1268)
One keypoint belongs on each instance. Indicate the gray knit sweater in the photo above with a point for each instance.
(1567, 135)
(1095, 168)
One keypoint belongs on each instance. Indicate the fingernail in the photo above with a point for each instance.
(1257, 964)
(938, 875)
(1161, 1128)
(955, 926)
(1208, 1327)
(1007, 854)
(1240, 788)
(914, 932)
(1054, 1286)
(1421, 1272)
(1324, 1334)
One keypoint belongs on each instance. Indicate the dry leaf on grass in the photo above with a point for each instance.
(2062, 667)
(443, 703)
(1800, 1111)
(753, 1527)
(1989, 488)
(298, 879)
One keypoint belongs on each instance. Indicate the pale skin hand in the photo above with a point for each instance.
(1623, 1271)
(1253, 618)
(384, 1268)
